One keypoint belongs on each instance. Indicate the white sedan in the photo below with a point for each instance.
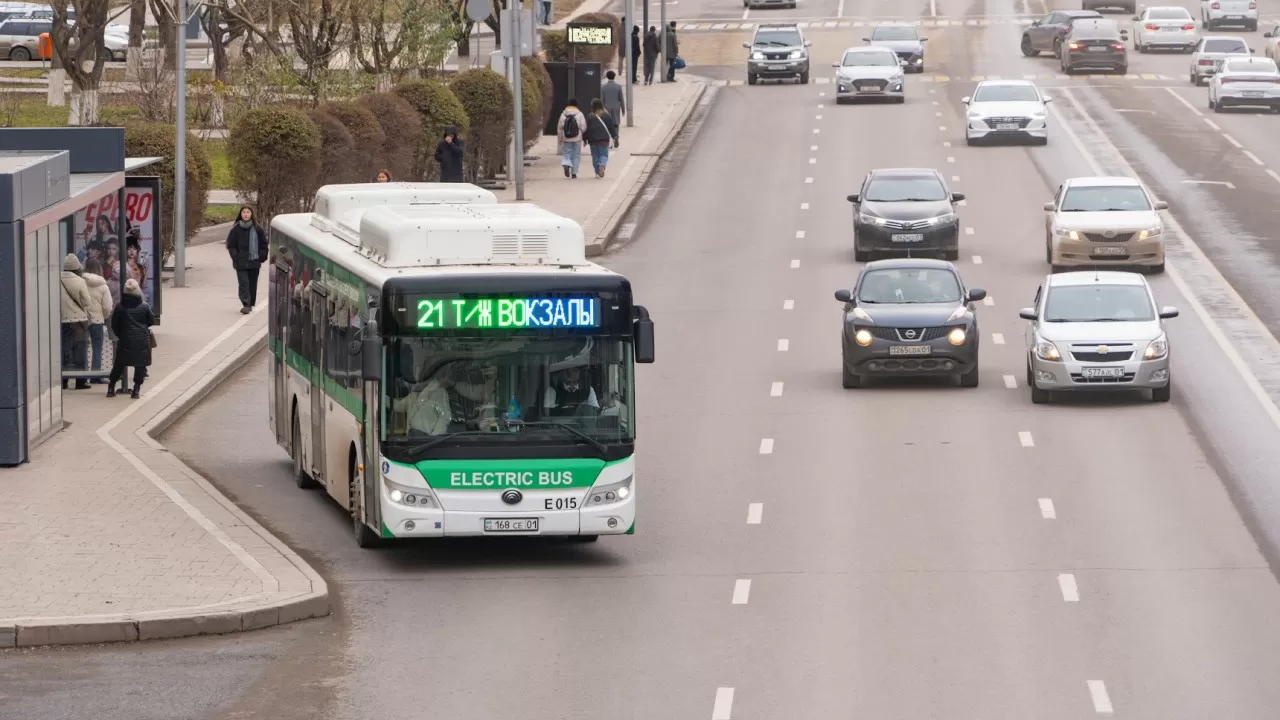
(1246, 82)
(1216, 13)
(1013, 109)
(1211, 52)
(1164, 27)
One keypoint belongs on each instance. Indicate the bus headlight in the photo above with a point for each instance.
(409, 497)
(862, 337)
(611, 493)
(957, 336)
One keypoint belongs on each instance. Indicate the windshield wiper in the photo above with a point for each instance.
(567, 428)
(912, 199)
(424, 446)
(1082, 320)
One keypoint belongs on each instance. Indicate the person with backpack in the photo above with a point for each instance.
(569, 134)
(601, 132)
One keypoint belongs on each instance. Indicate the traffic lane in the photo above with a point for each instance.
(1252, 128)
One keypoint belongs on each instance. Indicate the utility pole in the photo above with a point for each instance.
(517, 74)
(628, 17)
(180, 147)
(666, 61)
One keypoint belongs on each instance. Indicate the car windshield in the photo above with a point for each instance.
(909, 285)
(905, 189)
(1225, 45)
(508, 390)
(869, 59)
(1255, 67)
(1106, 198)
(1006, 93)
(896, 32)
(1099, 303)
(778, 38)
(1168, 14)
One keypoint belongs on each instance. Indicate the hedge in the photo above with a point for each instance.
(160, 140)
(486, 97)
(274, 153)
(438, 108)
(367, 133)
(402, 132)
(534, 113)
(546, 90)
(339, 157)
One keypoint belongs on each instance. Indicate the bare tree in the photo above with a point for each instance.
(137, 35)
(80, 48)
(316, 28)
(421, 36)
(462, 26)
(222, 28)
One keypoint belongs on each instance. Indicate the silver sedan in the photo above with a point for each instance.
(869, 72)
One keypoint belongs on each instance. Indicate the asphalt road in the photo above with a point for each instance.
(903, 551)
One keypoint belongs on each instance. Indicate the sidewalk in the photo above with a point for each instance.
(107, 537)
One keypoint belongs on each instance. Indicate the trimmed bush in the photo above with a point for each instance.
(365, 131)
(438, 108)
(533, 116)
(555, 45)
(339, 157)
(274, 153)
(402, 131)
(486, 97)
(603, 55)
(545, 88)
(160, 140)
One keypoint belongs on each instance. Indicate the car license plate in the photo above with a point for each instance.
(909, 237)
(1103, 372)
(1235, 17)
(868, 88)
(1168, 28)
(1111, 250)
(499, 525)
(1252, 93)
(1006, 126)
(1097, 48)
(910, 350)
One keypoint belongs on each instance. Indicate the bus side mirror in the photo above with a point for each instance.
(370, 360)
(643, 332)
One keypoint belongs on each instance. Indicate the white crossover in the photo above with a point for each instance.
(869, 72)
(1219, 13)
(1013, 109)
(1164, 28)
(1246, 82)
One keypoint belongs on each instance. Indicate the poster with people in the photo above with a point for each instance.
(132, 250)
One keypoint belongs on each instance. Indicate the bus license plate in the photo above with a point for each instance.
(1110, 251)
(1103, 372)
(910, 350)
(909, 237)
(499, 525)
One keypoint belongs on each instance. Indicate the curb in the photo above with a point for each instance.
(600, 244)
(251, 613)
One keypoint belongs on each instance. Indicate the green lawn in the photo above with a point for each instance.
(218, 214)
(34, 111)
(217, 151)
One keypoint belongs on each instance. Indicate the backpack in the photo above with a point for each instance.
(571, 129)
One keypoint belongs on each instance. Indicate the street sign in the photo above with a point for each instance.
(527, 34)
(478, 10)
(590, 33)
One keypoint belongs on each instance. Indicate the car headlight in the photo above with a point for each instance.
(1046, 350)
(861, 314)
(870, 219)
(957, 336)
(862, 337)
(757, 56)
(942, 219)
(1069, 234)
(796, 54)
(1157, 348)
(408, 496)
(1151, 232)
(611, 493)
(920, 57)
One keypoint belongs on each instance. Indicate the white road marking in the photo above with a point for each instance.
(755, 513)
(788, 304)
(820, 106)
(1047, 510)
(997, 338)
(822, 94)
(840, 9)
(1256, 160)
(816, 131)
(942, 128)
(1230, 186)
(968, 231)
(784, 345)
(1067, 583)
(1212, 124)
(808, 181)
(1024, 437)
(935, 102)
(776, 390)
(799, 234)
(804, 206)
(813, 161)
(746, 13)
(1273, 175)
(724, 704)
(946, 143)
(955, 178)
(932, 91)
(1101, 701)
(977, 259)
(1233, 141)
(950, 159)
(937, 114)
(933, 8)
(1011, 382)
(795, 264)
(813, 148)
(1184, 101)
(741, 592)
(766, 446)
(989, 301)
(817, 117)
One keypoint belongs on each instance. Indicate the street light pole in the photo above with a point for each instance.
(180, 149)
(666, 61)
(630, 59)
(517, 73)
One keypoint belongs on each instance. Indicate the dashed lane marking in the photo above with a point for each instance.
(724, 704)
(799, 234)
(1047, 511)
(813, 161)
(933, 79)
(968, 231)
(977, 259)
(808, 181)
(989, 301)
(741, 592)
(1011, 382)
(1025, 439)
(804, 206)
(1256, 160)
(766, 446)
(788, 304)
(1067, 583)
(1101, 701)
(997, 338)
(795, 264)
(755, 513)
(784, 345)
(775, 390)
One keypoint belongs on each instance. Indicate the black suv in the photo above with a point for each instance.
(1095, 45)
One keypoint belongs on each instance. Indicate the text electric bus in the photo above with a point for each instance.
(447, 366)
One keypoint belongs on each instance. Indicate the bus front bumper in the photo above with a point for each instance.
(611, 519)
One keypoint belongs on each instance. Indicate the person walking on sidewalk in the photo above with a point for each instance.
(131, 322)
(247, 245)
(99, 310)
(449, 155)
(74, 309)
(601, 132)
(673, 52)
(569, 132)
(651, 49)
(614, 99)
(636, 49)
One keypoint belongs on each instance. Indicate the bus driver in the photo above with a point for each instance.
(566, 394)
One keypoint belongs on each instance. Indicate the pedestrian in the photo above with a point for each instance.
(247, 245)
(75, 305)
(601, 132)
(99, 310)
(614, 98)
(651, 49)
(544, 12)
(384, 176)
(131, 322)
(449, 155)
(637, 47)
(569, 133)
(673, 52)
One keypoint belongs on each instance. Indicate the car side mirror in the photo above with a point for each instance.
(1168, 311)
(965, 100)
(835, 64)
(746, 45)
(1035, 23)
(1269, 33)
(1027, 313)
(1252, 51)
(854, 198)
(643, 333)
(844, 296)
(1136, 18)
(1162, 205)
(976, 294)
(1048, 207)
(808, 43)
(957, 197)
(370, 359)
(1046, 99)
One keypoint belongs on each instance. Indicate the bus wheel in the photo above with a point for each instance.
(300, 476)
(583, 538)
(365, 537)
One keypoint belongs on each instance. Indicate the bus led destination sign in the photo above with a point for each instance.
(508, 313)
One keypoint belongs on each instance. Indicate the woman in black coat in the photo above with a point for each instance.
(247, 245)
(131, 322)
(449, 155)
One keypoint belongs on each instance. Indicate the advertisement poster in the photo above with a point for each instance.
(98, 239)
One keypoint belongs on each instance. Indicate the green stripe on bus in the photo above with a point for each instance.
(350, 401)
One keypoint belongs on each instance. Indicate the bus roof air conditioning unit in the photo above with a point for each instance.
(340, 207)
(433, 235)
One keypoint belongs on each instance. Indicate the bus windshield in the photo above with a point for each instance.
(476, 392)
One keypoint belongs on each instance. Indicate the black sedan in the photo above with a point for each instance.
(905, 211)
(909, 317)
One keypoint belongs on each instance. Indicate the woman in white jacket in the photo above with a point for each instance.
(99, 310)
(75, 318)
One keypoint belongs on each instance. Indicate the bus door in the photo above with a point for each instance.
(280, 307)
(319, 323)
(370, 510)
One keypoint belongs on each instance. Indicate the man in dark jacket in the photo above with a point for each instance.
(449, 155)
(636, 50)
(672, 51)
(131, 322)
(652, 48)
(614, 98)
(247, 245)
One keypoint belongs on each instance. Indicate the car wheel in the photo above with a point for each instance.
(1057, 47)
(1157, 269)
(1188, 49)
(1123, 69)
(951, 255)
(804, 78)
(583, 538)
(970, 141)
(1162, 394)
(20, 54)
(752, 79)
(1212, 104)
(861, 255)
(300, 476)
(1252, 27)
(1195, 79)
(1217, 106)
(1026, 47)
(848, 379)
(969, 379)
(1043, 141)
(1038, 396)
(1048, 253)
